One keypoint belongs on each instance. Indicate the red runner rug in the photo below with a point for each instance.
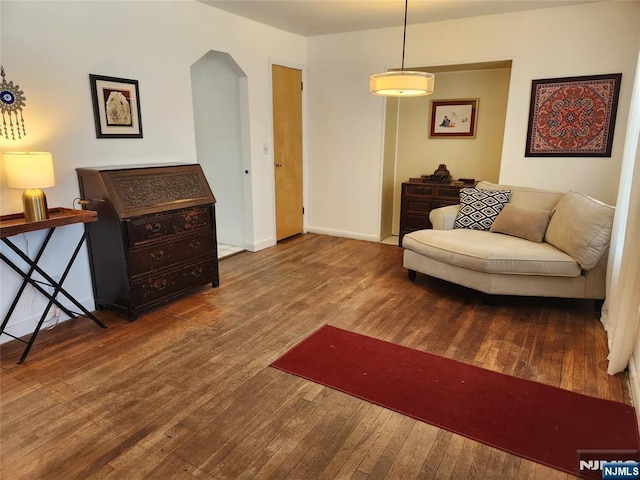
(544, 424)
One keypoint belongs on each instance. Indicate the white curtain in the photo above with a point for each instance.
(621, 311)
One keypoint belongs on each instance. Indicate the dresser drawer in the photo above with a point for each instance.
(443, 202)
(449, 192)
(149, 227)
(171, 282)
(418, 189)
(418, 205)
(416, 221)
(169, 252)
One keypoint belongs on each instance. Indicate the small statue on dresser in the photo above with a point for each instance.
(441, 175)
(442, 172)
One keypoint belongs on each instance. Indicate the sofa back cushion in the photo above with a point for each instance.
(581, 227)
(527, 197)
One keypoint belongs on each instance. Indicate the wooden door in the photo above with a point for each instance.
(287, 150)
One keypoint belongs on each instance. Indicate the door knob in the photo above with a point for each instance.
(278, 164)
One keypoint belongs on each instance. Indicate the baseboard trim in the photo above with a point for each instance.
(345, 234)
(21, 328)
(260, 245)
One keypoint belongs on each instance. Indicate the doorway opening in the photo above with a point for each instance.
(409, 152)
(221, 121)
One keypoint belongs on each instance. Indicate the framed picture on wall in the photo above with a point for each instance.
(453, 118)
(116, 107)
(573, 116)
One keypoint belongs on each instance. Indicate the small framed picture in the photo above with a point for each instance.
(116, 107)
(453, 118)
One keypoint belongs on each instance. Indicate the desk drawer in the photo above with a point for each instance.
(168, 283)
(149, 227)
(179, 249)
(192, 219)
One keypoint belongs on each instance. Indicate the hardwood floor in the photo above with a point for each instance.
(186, 391)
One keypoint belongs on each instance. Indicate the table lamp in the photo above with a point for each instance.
(30, 171)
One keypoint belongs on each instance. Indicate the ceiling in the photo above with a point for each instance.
(321, 17)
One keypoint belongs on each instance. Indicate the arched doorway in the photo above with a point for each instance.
(219, 89)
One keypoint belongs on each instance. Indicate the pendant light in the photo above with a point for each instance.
(403, 83)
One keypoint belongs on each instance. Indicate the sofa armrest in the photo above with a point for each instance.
(443, 218)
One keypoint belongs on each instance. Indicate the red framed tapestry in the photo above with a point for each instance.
(573, 116)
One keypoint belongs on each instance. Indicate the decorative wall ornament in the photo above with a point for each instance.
(12, 101)
(573, 116)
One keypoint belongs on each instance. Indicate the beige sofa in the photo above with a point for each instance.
(541, 243)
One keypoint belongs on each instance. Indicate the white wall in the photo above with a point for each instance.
(345, 122)
(49, 48)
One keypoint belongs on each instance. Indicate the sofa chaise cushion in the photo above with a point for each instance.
(492, 253)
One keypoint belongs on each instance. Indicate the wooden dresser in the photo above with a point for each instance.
(155, 238)
(419, 198)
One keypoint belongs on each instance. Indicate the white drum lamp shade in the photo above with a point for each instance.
(30, 171)
(403, 83)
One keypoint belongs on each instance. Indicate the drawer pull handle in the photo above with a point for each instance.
(160, 284)
(194, 245)
(196, 272)
(157, 255)
(155, 228)
(191, 220)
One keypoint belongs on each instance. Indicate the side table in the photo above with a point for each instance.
(15, 224)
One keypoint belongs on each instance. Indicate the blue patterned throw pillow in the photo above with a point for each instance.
(479, 208)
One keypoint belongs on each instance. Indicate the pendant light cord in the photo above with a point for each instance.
(404, 36)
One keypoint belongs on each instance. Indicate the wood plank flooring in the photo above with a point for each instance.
(185, 392)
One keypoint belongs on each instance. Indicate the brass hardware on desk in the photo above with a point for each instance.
(157, 255)
(155, 228)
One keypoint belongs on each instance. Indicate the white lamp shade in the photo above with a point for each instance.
(29, 169)
(402, 83)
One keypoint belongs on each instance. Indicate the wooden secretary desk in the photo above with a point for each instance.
(155, 238)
